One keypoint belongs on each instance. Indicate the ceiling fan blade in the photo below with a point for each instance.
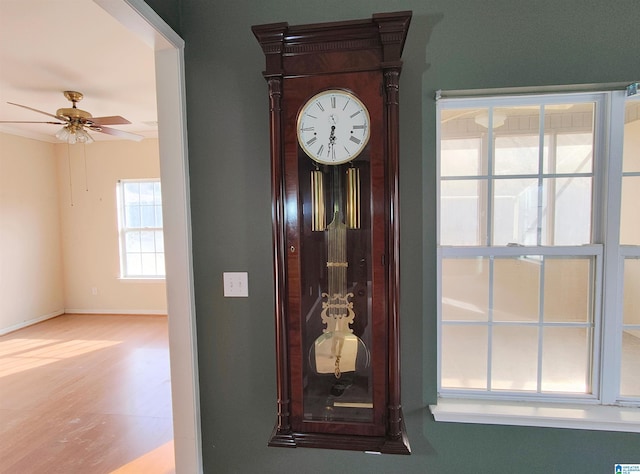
(26, 121)
(111, 120)
(39, 111)
(116, 133)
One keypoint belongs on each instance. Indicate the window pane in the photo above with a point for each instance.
(158, 213)
(159, 236)
(460, 213)
(131, 193)
(461, 157)
(631, 153)
(134, 264)
(462, 123)
(569, 129)
(132, 216)
(629, 222)
(488, 118)
(146, 192)
(567, 211)
(515, 211)
(148, 264)
(574, 153)
(148, 216)
(519, 119)
(132, 242)
(516, 154)
(147, 241)
(465, 289)
(565, 367)
(631, 287)
(464, 365)
(567, 289)
(514, 360)
(160, 264)
(516, 289)
(157, 193)
(630, 363)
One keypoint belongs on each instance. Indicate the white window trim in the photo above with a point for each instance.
(590, 412)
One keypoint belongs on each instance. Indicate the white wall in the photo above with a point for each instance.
(31, 269)
(89, 219)
(59, 234)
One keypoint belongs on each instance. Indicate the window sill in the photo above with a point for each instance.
(550, 415)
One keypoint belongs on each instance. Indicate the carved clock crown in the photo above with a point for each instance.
(345, 46)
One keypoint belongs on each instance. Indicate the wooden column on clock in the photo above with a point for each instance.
(360, 408)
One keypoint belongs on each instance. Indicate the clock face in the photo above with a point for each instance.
(333, 127)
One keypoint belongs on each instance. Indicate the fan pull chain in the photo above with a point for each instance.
(70, 180)
(86, 180)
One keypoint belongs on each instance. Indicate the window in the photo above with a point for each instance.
(539, 248)
(140, 224)
(630, 255)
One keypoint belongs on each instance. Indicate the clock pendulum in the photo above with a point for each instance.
(336, 349)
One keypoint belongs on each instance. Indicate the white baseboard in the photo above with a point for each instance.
(153, 312)
(30, 322)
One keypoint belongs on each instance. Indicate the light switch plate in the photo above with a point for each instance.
(236, 284)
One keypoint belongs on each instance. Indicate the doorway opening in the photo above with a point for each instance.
(140, 19)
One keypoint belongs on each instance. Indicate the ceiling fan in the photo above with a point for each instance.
(76, 122)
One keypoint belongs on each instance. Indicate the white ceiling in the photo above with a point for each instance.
(47, 47)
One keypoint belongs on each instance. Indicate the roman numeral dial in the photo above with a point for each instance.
(333, 127)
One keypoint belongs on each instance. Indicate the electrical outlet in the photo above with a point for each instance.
(94, 291)
(236, 284)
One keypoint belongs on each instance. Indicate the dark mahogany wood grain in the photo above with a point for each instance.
(364, 57)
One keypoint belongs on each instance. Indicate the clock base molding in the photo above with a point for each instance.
(369, 444)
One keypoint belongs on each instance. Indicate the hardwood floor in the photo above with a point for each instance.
(86, 394)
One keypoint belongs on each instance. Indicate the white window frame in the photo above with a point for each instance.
(604, 409)
(125, 274)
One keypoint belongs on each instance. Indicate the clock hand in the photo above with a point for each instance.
(332, 141)
(332, 137)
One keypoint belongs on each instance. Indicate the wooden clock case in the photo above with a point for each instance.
(364, 58)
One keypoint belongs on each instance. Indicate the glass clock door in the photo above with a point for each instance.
(336, 291)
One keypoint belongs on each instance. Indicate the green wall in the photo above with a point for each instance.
(452, 44)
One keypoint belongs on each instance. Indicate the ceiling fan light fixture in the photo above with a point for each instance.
(73, 135)
(63, 134)
(498, 121)
(82, 136)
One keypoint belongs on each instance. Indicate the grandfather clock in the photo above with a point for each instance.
(333, 111)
